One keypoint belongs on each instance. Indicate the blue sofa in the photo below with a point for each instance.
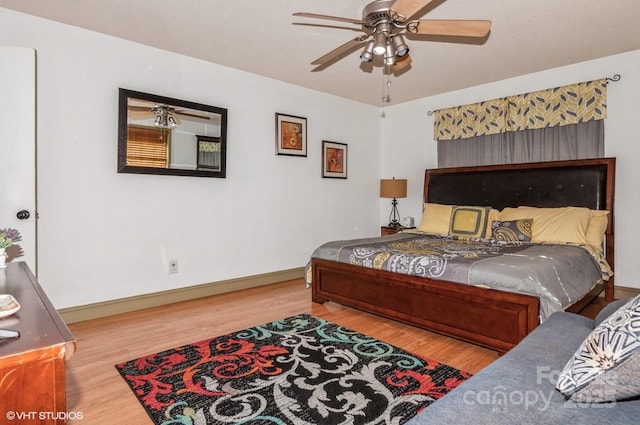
(519, 387)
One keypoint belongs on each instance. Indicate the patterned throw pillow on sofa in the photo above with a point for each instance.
(605, 367)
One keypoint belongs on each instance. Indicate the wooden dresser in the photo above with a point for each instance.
(32, 374)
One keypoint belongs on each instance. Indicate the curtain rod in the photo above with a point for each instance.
(616, 77)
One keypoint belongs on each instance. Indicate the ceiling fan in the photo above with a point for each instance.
(384, 22)
(165, 115)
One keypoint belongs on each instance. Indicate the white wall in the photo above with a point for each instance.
(408, 147)
(104, 235)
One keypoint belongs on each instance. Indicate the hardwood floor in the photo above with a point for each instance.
(592, 310)
(98, 395)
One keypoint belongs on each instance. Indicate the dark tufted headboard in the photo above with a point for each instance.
(581, 183)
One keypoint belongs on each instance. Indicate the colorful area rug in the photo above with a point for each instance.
(298, 370)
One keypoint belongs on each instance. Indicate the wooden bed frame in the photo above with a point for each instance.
(488, 317)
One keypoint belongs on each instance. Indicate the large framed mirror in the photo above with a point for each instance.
(161, 135)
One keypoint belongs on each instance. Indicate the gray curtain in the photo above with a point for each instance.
(575, 141)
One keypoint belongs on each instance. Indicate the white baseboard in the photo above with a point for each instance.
(125, 305)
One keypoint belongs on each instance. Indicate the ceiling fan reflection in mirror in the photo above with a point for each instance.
(384, 23)
(166, 116)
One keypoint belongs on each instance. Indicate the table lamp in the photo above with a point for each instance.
(393, 188)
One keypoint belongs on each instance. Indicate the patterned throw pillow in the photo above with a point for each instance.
(469, 222)
(605, 367)
(512, 230)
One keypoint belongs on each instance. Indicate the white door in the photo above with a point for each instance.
(17, 150)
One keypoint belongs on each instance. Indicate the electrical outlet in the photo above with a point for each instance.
(173, 266)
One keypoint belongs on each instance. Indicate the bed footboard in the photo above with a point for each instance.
(487, 317)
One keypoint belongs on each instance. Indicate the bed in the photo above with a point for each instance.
(477, 313)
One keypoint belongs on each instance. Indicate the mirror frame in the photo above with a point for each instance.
(126, 94)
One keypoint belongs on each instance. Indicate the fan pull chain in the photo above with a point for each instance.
(386, 86)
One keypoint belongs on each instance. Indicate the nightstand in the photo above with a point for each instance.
(386, 230)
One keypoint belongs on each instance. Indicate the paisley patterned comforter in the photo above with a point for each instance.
(558, 274)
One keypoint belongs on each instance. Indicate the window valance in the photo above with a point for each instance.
(572, 104)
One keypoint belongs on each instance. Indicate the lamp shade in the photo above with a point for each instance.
(393, 188)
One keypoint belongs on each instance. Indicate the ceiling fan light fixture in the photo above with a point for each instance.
(367, 53)
(389, 55)
(380, 44)
(164, 118)
(399, 46)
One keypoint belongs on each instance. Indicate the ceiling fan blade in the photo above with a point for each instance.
(407, 9)
(140, 114)
(139, 108)
(191, 114)
(402, 64)
(327, 26)
(339, 51)
(331, 18)
(458, 28)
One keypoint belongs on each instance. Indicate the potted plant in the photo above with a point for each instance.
(7, 238)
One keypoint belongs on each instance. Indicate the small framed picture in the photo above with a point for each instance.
(334, 160)
(291, 135)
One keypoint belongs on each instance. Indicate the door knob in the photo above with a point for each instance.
(23, 215)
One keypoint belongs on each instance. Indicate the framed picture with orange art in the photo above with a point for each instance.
(291, 135)
(334, 160)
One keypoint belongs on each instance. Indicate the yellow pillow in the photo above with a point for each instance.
(436, 219)
(564, 224)
(596, 228)
(469, 222)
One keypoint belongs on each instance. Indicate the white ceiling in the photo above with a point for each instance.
(258, 36)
